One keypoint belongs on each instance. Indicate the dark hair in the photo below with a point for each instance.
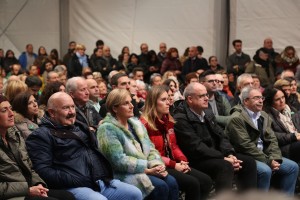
(290, 79)
(99, 43)
(54, 54)
(211, 57)
(8, 51)
(122, 51)
(43, 67)
(170, 51)
(135, 55)
(49, 89)
(114, 79)
(189, 76)
(236, 41)
(168, 81)
(153, 54)
(20, 103)
(200, 49)
(33, 81)
(186, 51)
(137, 69)
(269, 94)
(206, 73)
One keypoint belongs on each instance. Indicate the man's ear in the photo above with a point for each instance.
(51, 112)
(189, 99)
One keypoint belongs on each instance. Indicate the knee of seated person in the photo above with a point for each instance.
(135, 194)
(291, 164)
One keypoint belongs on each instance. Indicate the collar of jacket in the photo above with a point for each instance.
(13, 134)
(245, 116)
(46, 121)
(191, 116)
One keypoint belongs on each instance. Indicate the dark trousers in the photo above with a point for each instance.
(55, 195)
(295, 152)
(222, 172)
(195, 184)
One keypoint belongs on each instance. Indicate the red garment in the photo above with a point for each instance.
(227, 90)
(165, 126)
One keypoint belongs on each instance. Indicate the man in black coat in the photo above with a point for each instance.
(204, 142)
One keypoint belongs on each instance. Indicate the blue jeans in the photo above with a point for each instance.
(116, 191)
(285, 177)
(165, 188)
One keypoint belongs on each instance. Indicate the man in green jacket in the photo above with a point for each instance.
(250, 133)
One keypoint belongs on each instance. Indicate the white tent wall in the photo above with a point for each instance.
(29, 21)
(253, 21)
(179, 23)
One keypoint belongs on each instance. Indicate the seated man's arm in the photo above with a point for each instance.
(191, 142)
(241, 141)
(40, 148)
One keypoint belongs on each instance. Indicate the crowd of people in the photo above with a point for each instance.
(148, 126)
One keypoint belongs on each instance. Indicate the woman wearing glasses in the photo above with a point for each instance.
(160, 127)
(286, 123)
(125, 143)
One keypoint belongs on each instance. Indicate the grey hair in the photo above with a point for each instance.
(60, 68)
(189, 90)
(245, 93)
(153, 76)
(50, 73)
(71, 84)
(242, 77)
(140, 83)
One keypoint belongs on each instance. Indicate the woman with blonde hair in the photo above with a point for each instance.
(13, 88)
(125, 143)
(160, 126)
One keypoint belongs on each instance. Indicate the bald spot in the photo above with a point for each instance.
(57, 98)
(90, 82)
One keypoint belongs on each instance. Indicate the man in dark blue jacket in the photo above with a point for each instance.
(66, 157)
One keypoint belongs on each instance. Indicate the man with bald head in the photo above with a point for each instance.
(203, 141)
(111, 62)
(65, 156)
(272, 54)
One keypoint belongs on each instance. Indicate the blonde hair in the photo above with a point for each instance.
(167, 74)
(80, 47)
(115, 97)
(280, 83)
(13, 88)
(150, 112)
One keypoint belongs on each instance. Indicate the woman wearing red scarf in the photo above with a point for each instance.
(160, 126)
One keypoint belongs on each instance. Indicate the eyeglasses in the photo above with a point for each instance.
(213, 80)
(221, 82)
(202, 96)
(256, 98)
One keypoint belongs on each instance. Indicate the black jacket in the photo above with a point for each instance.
(62, 158)
(196, 144)
(74, 67)
(284, 137)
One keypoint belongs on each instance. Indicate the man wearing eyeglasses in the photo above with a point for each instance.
(203, 141)
(250, 133)
(218, 103)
